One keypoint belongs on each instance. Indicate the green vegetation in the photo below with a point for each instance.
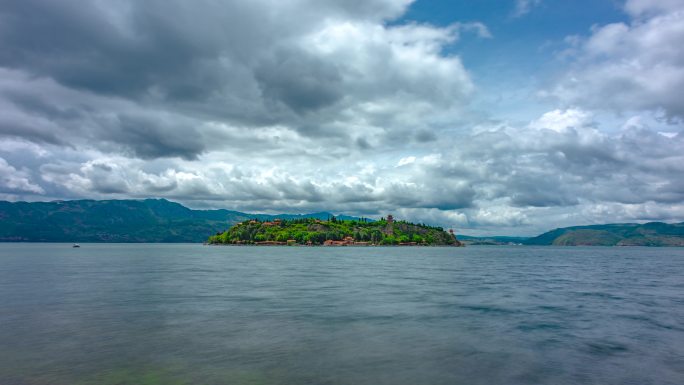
(335, 232)
(624, 234)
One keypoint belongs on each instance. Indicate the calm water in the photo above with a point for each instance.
(192, 314)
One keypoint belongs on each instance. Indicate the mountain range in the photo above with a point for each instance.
(149, 220)
(159, 220)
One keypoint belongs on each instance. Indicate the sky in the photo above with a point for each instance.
(507, 117)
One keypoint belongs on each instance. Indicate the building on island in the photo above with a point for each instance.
(347, 241)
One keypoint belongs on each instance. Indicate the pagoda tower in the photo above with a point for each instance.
(389, 229)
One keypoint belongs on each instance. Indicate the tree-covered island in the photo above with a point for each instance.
(334, 232)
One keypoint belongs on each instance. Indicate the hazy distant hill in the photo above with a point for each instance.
(150, 220)
(623, 234)
(492, 240)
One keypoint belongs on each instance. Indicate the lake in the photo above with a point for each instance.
(169, 314)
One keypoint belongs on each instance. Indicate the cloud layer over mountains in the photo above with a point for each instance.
(297, 106)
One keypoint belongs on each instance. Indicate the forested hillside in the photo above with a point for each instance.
(621, 234)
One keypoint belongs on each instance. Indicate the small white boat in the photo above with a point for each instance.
(76, 245)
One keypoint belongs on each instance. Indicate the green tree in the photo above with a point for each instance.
(299, 236)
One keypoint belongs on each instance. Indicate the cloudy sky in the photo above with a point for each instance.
(489, 116)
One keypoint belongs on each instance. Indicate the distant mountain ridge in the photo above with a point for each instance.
(495, 240)
(618, 234)
(160, 220)
(149, 220)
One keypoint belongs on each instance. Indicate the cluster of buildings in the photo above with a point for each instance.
(347, 241)
(275, 222)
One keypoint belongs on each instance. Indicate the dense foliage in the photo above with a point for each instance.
(317, 232)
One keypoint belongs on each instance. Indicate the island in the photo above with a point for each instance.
(334, 232)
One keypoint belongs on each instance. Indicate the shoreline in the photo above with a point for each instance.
(332, 246)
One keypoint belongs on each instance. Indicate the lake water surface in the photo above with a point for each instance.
(130, 314)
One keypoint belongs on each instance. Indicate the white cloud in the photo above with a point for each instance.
(16, 181)
(406, 160)
(499, 216)
(632, 66)
(523, 7)
(668, 135)
(559, 120)
(645, 7)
